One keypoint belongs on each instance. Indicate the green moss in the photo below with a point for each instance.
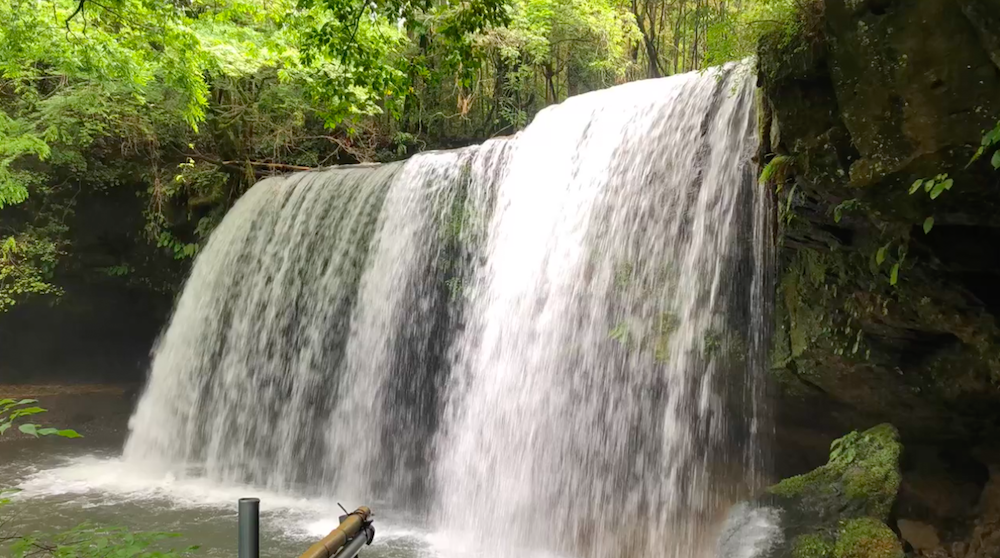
(866, 538)
(815, 268)
(781, 345)
(845, 502)
(817, 480)
(620, 333)
(776, 172)
(863, 468)
(458, 215)
(666, 326)
(804, 297)
(788, 44)
(811, 546)
(624, 272)
(724, 344)
(876, 479)
(820, 305)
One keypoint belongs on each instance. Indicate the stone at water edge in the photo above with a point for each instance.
(839, 509)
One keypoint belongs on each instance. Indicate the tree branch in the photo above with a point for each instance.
(269, 165)
(79, 8)
(239, 165)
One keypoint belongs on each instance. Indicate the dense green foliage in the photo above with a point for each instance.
(186, 103)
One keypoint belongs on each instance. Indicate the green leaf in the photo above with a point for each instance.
(4, 426)
(880, 255)
(894, 275)
(26, 412)
(928, 225)
(995, 161)
(939, 189)
(8, 404)
(993, 136)
(929, 184)
(47, 431)
(67, 433)
(31, 429)
(916, 186)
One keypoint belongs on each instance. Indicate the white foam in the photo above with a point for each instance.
(124, 481)
(91, 482)
(111, 481)
(749, 531)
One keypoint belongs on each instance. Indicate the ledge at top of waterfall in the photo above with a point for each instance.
(547, 342)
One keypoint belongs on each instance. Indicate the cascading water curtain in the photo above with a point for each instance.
(547, 342)
(601, 399)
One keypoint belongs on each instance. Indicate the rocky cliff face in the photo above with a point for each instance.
(118, 291)
(878, 320)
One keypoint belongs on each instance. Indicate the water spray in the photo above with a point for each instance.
(345, 541)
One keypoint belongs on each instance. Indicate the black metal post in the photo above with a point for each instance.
(249, 544)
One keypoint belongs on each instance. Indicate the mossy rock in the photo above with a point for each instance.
(839, 509)
(861, 478)
(812, 546)
(866, 537)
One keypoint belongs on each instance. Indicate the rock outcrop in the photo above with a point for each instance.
(886, 300)
(878, 320)
(838, 510)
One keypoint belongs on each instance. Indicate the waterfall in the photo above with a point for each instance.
(549, 342)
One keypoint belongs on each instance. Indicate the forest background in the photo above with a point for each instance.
(178, 106)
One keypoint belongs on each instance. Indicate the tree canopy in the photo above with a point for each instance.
(188, 102)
